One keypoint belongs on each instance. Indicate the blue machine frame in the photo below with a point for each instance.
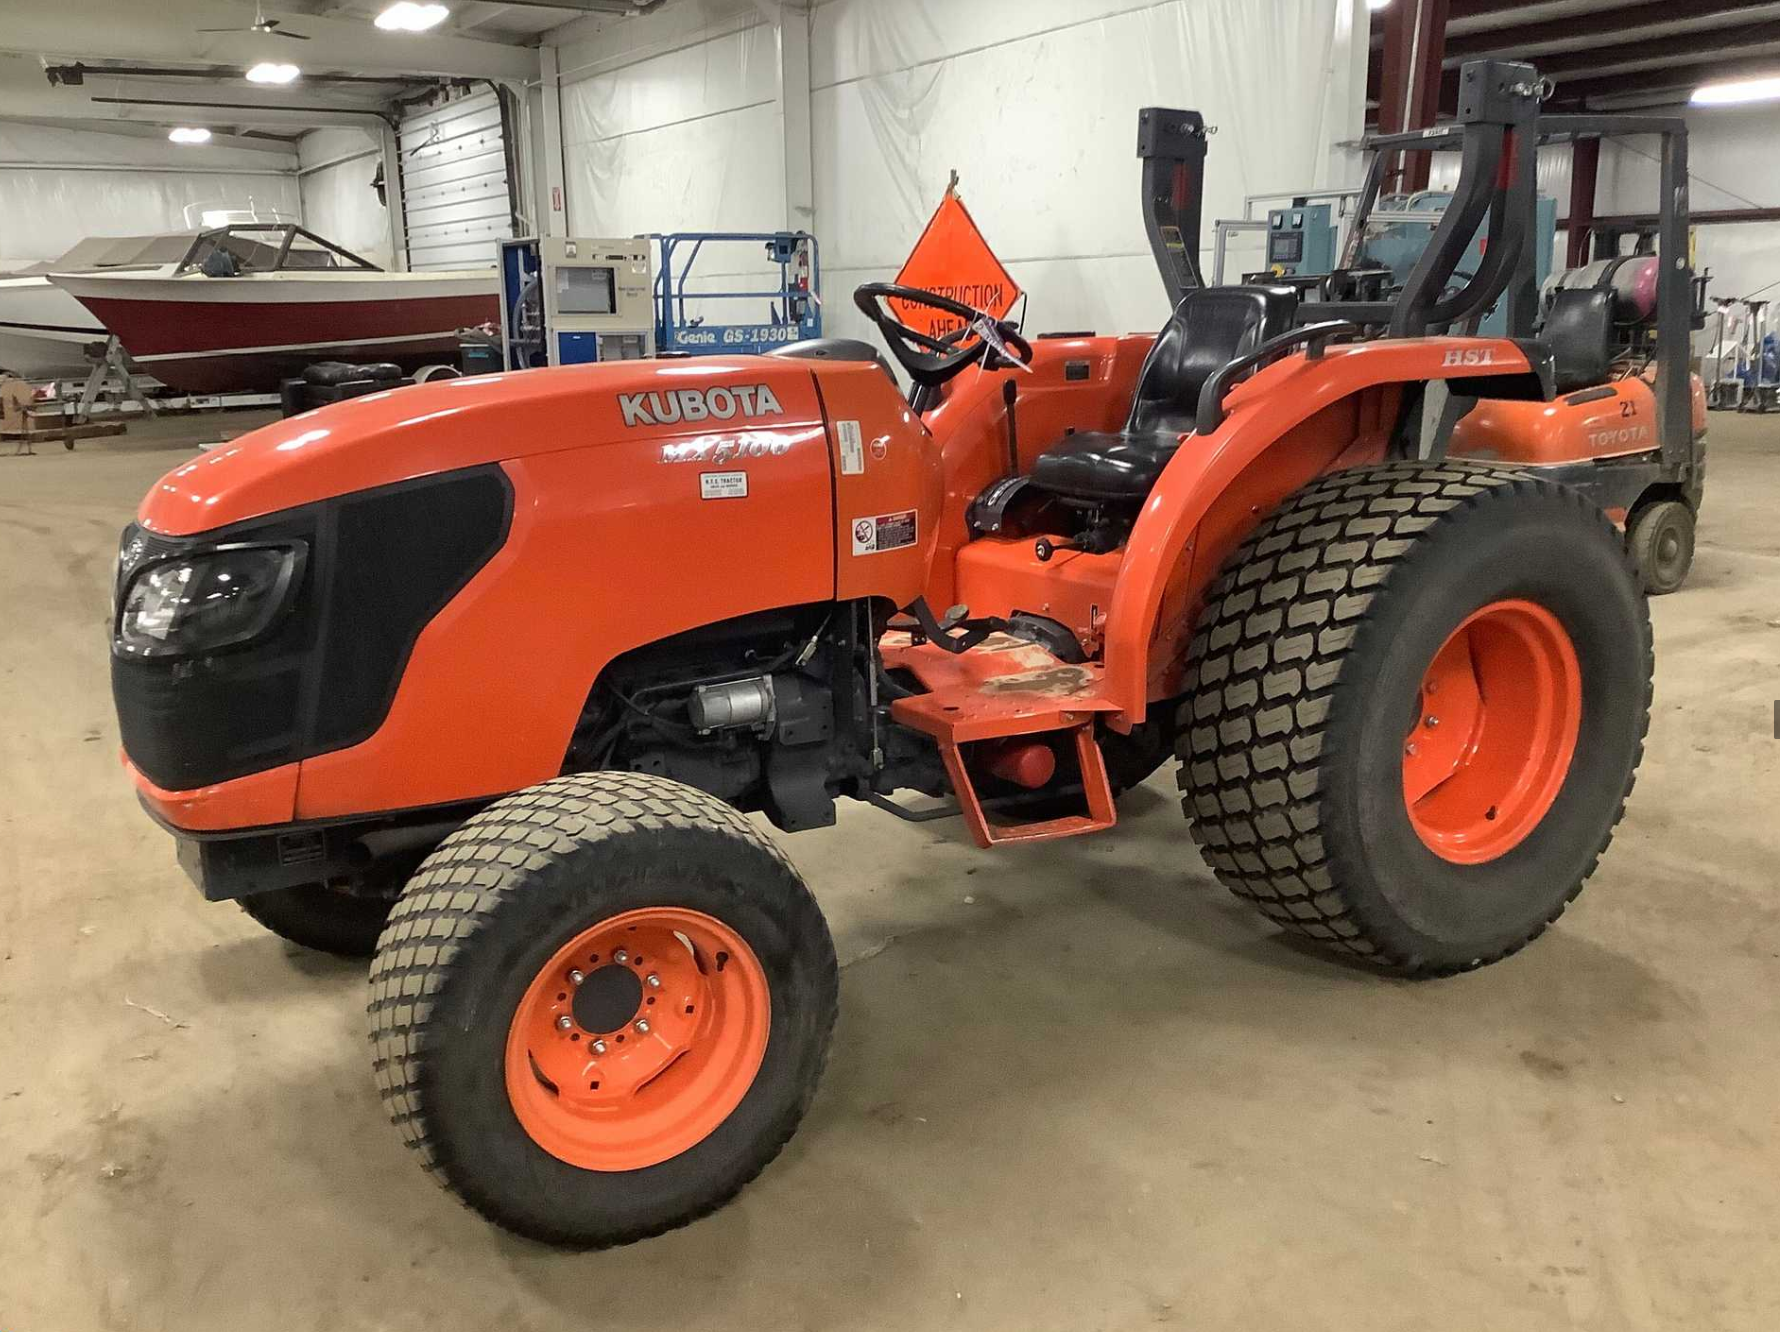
(1407, 223)
(796, 316)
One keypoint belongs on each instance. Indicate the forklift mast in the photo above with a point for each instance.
(1498, 132)
(1171, 145)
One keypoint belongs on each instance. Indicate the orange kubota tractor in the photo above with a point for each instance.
(481, 675)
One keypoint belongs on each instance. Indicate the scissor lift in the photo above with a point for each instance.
(793, 307)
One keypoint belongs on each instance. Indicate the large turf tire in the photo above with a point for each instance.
(492, 908)
(1661, 540)
(325, 917)
(1303, 689)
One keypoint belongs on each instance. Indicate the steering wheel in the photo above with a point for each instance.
(932, 361)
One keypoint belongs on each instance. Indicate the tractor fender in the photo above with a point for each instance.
(1293, 420)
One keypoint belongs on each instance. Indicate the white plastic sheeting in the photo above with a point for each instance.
(60, 185)
(686, 139)
(674, 126)
(338, 166)
(1731, 161)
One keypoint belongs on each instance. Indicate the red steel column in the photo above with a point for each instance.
(1585, 162)
(1409, 83)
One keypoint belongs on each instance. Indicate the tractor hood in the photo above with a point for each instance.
(696, 406)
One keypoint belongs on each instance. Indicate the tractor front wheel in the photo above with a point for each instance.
(1417, 698)
(601, 1008)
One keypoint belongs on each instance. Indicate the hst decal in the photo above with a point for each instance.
(749, 401)
(1469, 356)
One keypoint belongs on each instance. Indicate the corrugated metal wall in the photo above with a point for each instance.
(456, 198)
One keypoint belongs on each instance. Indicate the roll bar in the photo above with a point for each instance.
(1171, 145)
(1498, 132)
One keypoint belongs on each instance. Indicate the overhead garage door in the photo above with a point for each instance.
(456, 198)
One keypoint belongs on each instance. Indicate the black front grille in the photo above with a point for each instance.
(382, 563)
(399, 556)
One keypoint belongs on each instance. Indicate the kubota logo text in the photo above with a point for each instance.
(692, 405)
(1469, 356)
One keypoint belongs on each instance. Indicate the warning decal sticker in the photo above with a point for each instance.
(852, 447)
(887, 531)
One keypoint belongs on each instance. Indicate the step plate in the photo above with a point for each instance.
(1005, 686)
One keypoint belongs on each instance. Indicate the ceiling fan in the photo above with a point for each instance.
(262, 24)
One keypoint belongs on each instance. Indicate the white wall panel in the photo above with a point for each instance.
(684, 140)
(338, 166)
(672, 124)
(1731, 164)
(718, 174)
(58, 186)
(1042, 129)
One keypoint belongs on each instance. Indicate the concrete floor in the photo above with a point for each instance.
(1074, 1086)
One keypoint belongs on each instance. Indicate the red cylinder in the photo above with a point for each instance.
(1028, 763)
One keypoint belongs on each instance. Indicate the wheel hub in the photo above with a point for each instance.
(607, 999)
(1495, 728)
(637, 1039)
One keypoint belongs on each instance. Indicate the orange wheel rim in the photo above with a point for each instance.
(637, 1039)
(1495, 729)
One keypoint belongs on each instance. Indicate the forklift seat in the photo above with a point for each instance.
(1211, 327)
(1578, 329)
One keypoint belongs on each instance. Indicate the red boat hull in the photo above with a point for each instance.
(218, 346)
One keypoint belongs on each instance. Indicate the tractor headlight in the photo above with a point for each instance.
(206, 600)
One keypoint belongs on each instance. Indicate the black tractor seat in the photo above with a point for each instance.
(1211, 327)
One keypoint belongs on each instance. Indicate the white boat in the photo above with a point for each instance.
(244, 306)
(43, 330)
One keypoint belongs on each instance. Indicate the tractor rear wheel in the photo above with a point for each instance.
(1417, 699)
(1661, 540)
(601, 1008)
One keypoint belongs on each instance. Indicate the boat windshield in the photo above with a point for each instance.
(265, 248)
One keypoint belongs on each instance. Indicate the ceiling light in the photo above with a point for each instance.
(406, 16)
(1376, 5)
(189, 134)
(1744, 90)
(268, 71)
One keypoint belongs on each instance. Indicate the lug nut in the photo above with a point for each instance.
(642, 1026)
(1431, 722)
(599, 1047)
(565, 1022)
(1409, 750)
(652, 981)
(575, 978)
(621, 956)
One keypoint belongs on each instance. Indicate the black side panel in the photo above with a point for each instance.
(399, 555)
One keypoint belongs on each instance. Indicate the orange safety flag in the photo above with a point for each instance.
(954, 260)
